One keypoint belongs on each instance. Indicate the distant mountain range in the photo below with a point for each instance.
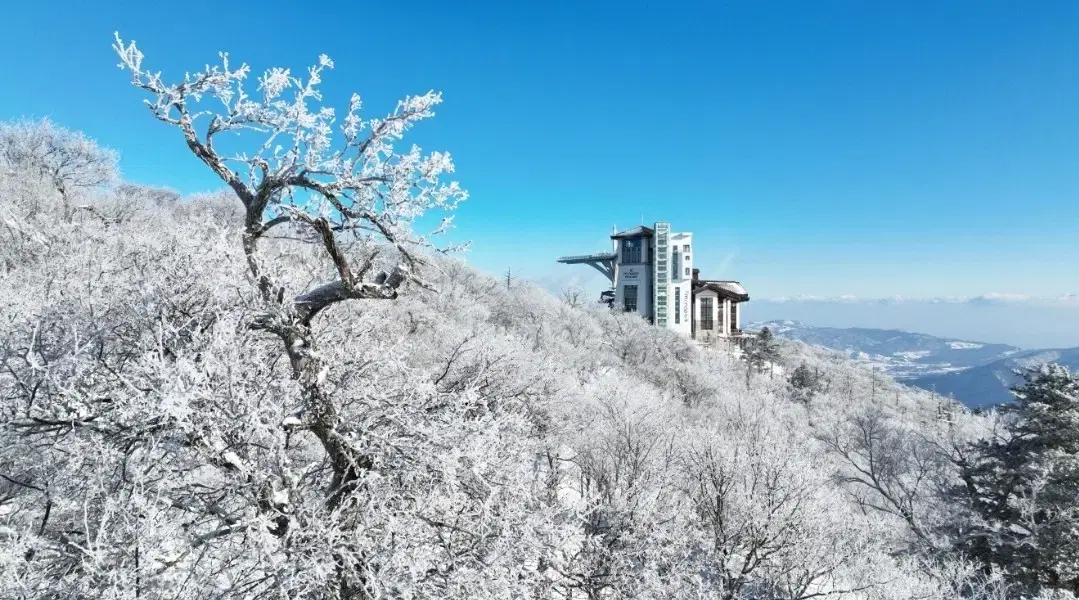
(975, 373)
(901, 354)
(988, 384)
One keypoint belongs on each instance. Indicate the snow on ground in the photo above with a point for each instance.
(965, 345)
(902, 365)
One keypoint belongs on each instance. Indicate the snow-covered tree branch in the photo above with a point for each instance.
(293, 172)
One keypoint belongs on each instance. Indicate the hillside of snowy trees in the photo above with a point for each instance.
(290, 389)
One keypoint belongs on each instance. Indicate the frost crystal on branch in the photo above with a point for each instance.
(297, 172)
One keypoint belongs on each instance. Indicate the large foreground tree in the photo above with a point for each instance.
(1022, 486)
(343, 183)
(362, 188)
(156, 445)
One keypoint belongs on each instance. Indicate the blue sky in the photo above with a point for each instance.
(815, 148)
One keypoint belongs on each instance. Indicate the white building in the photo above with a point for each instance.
(717, 312)
(652, 274)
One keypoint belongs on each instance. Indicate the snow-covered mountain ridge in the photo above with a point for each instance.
(976, 373)
(988, 384)
(903, 355)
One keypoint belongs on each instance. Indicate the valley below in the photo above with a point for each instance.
(978, 374)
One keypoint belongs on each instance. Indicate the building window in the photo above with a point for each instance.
(674, 264)
(629, 298)
(707, 314)
(677, 305)
(675, 250)
(734, 316)
(685, 248)
(631, 251)
(687, 271)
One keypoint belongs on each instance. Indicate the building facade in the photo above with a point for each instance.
(717, 312)
(652, 274)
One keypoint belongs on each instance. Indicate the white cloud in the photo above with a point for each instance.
(990, 299)
(997, 298)
(803, 298)
(1043, 322)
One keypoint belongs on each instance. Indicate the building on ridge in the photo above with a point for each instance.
(651, 273)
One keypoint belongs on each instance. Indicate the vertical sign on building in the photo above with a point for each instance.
(677, 304)
(662, 273)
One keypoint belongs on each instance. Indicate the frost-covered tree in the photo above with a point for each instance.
(135, 194)
(67, 160)
(767, 524)
(346, 186)
(297, 176)
(573, 295)
(805, 383)
(1022, 486)
(762, 350)
(890, 467)
(629, 523)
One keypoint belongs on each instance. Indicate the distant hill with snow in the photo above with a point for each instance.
(975, 373)
(902, 354)
(989, 384)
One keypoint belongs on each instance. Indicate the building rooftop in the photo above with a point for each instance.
(637, 231)
(726, 287)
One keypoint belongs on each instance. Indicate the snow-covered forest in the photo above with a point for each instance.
(290, 389)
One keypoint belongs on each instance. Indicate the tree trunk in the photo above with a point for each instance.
(320, 412)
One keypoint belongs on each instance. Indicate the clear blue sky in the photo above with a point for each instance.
(825, 148)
